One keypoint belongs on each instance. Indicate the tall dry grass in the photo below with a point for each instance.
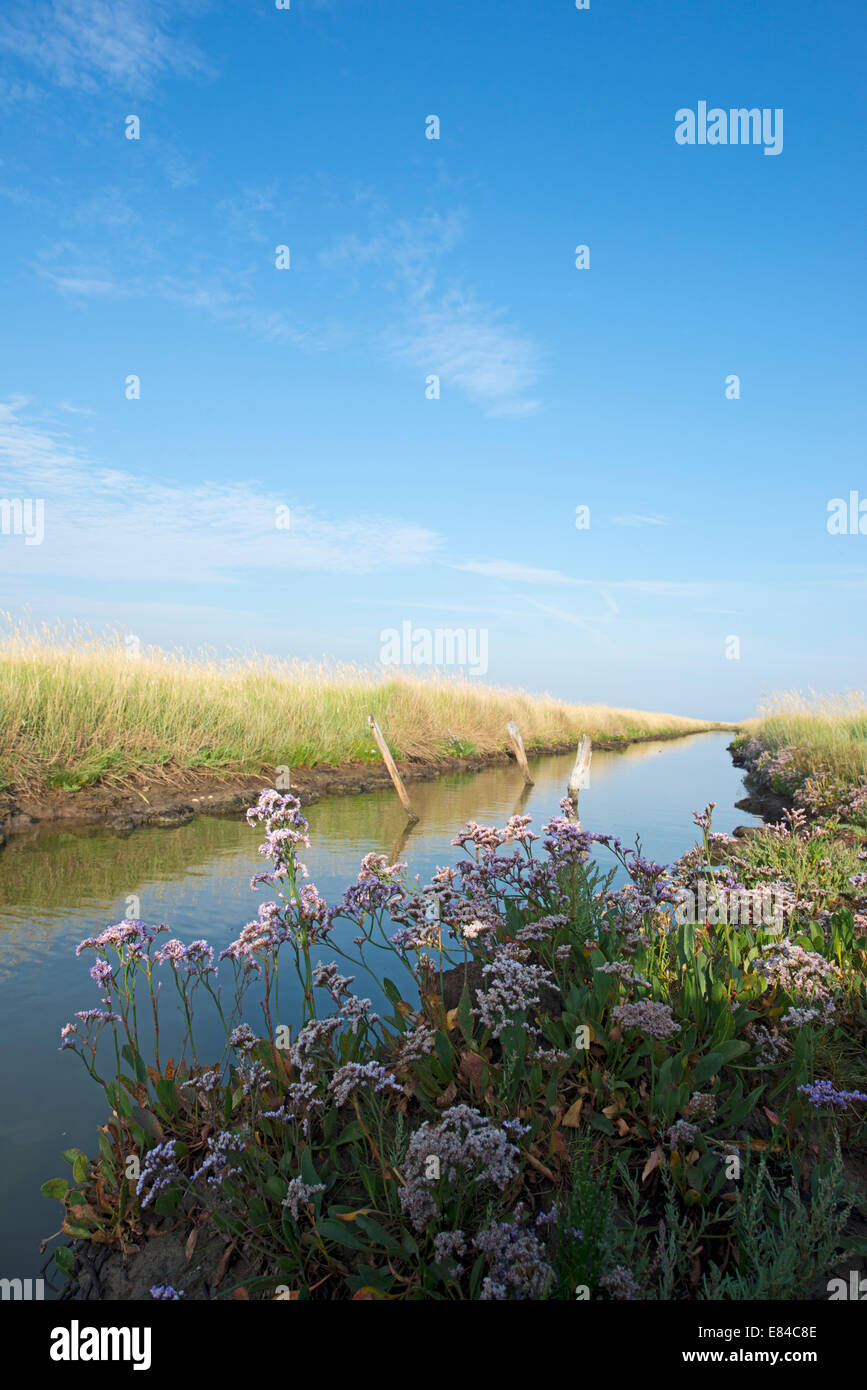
(77, 708)
(830, 729)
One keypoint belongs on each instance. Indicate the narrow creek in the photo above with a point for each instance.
(56, 888)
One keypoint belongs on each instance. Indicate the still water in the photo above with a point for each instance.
(57, 888)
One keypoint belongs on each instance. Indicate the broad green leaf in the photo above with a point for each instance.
(55, 1187)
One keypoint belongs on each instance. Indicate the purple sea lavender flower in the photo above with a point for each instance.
(465, 1144)
(253, 1077)
(328, 977)
(513, 986)
(518, 1268)
(566, 842)
(680, 1135)
(243, 1037)
(354, 1074)
(300, 1194)
(207, 1081)
(653, 1019)
(619, 1283)
(823, 1095)
(173, 952)
(356, 1012)
(97, 1016)
(448, 1245)
(160, 1169)
(215, 1166)
(485, 837)
(416, 1044)
(700, 1106)
(128, 933)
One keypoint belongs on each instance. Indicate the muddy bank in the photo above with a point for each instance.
(175, 796)
(761, 799)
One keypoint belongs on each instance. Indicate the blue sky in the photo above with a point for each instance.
(559, 387)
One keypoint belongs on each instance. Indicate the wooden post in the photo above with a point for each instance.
(518, 744)
(580, 772)
(392, 768)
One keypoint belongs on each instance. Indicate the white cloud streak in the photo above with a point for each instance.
(103, 523)
(88, 44)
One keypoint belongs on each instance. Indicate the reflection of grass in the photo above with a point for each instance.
(57, 870)
(79, 710)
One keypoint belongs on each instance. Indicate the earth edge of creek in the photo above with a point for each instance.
(174, 797)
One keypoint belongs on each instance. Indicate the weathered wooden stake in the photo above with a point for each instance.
(579, 773)
(392, 768)
(518, 744)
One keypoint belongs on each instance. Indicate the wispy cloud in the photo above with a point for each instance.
(226, 296)
(515, 573)
(89, 44)
(636, 519)
(590, 623)
(445, 329)
(472, 347)
(105, 522)
(511, 572)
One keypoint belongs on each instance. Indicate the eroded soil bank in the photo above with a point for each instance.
(761, 799)
(174, 796)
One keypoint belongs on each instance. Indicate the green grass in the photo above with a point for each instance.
(827, 731)
(812, 751)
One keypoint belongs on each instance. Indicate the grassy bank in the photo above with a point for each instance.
(811, 749)
(75, 712)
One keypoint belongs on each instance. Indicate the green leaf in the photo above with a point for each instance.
(308, 1171)
(465, 1015)
(135, 1061)
(708, 1066)
(444, 1051)
(65, 1260)
(258, 1212)
(167, 1202)
(392, 991)
(167, 1094)
(119, 1098)
(602, 1123)
(730, 1049)
(55, 1187)
(80, 1169)
(351, 1133)
(740, 1111)
(339, 1233)
(149, 1123)
(379, 1234)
